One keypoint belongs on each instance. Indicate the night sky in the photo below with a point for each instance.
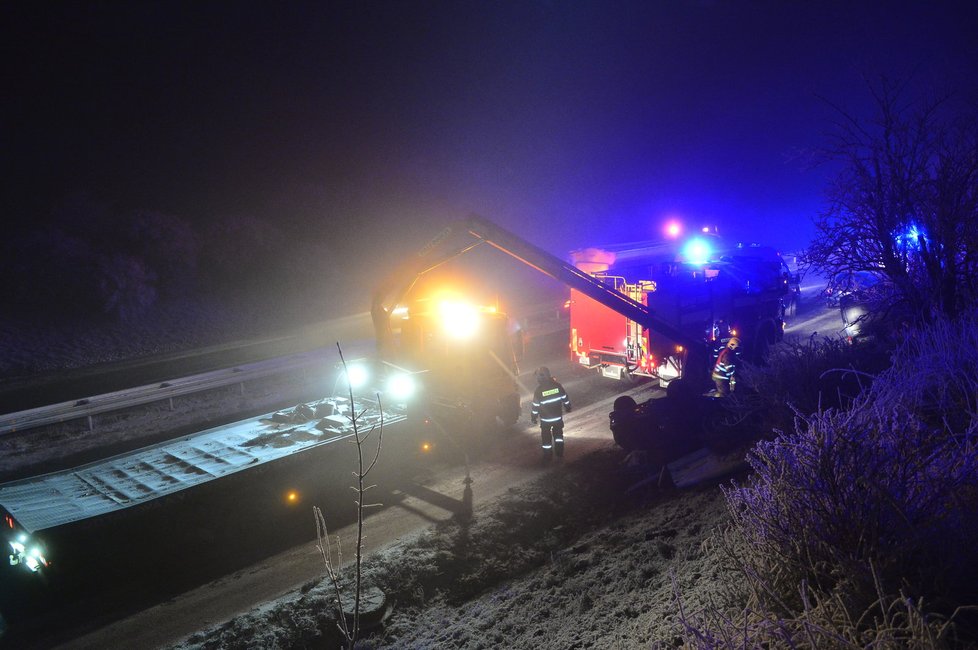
(573, 123)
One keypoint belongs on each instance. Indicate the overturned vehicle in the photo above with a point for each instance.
(685, 422)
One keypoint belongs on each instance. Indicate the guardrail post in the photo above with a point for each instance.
(171, 403)
(91, 423)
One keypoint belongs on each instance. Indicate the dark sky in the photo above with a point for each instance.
(573, 123)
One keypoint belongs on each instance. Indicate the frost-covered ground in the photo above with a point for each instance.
(572, 560)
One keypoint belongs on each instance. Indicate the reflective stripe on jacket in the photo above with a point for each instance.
(549, 402)
(725, 365)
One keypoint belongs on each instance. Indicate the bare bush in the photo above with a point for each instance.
(936, 370)
(864, 492)
(126, 287)
(856, 528)
(802, 377)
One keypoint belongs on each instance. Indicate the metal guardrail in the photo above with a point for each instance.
(167, 390)
(542, 320)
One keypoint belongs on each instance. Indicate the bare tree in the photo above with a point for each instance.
(351, 632)
(904, 206)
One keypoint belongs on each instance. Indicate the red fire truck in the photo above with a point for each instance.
(658, 310)
(704, 287)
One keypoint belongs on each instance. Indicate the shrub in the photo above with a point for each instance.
(50, 274)
(936, 370)
(859, 495)
(802, 377)
(859, 523)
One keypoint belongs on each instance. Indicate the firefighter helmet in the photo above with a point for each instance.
(733, 343)
(543, 374)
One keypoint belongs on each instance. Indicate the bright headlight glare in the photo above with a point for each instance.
(357, 376)
(461, 321)
(33, 560)
(401, 386)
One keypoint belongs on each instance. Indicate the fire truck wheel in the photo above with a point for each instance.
(714, 423)
(510, 417)
(765, 335)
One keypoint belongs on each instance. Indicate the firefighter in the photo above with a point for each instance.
(550, 400)
(726, 367)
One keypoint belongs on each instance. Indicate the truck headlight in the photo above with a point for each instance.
(459, 320)
(401, 387)
(357, 375)
(33, 559)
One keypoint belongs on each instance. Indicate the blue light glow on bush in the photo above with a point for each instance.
(911, 238)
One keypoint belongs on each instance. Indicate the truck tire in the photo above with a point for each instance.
(762, 340)
(374, 607)
(509, 410)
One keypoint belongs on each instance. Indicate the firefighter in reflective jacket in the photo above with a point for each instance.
(726, 367)
(549, 402)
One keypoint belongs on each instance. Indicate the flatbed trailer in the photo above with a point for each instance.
(35, 511)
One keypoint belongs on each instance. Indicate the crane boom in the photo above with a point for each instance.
(464, 235)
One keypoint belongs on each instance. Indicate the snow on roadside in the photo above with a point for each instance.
(572, 560)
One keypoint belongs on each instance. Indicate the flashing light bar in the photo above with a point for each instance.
(697, 251)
